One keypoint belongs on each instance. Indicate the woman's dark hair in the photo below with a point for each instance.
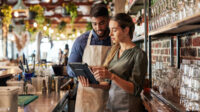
(124, 20)
(98, 10)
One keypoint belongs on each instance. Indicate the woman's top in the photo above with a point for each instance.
(130, 66)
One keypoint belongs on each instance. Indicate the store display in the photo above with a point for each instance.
(166, 80)
(190, 85)
(165, 12)
(182, 84)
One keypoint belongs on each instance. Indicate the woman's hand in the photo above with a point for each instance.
(101, 73)
(84, 81)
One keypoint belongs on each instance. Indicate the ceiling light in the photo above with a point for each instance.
(16, 14)
(51, 31)
(62, 35)
(34, 24)
(20, 8)
(73, 35)
(45, 28)
(78, 34)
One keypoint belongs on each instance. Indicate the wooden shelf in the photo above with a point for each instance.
(135, 6)
(137, 39)
(187, 24)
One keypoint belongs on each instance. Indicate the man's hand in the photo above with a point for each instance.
(84, 81)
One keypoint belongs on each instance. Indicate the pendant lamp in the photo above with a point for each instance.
(20, 10)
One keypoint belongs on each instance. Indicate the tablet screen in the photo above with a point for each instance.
(83, 70)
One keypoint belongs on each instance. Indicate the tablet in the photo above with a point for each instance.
(83, 70)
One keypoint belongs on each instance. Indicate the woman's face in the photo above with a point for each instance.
(117, 34)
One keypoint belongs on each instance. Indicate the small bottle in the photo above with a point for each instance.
(53, 84)
(44, 87)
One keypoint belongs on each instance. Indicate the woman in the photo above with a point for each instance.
(125, 66)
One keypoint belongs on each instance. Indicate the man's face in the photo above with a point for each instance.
(100, 25)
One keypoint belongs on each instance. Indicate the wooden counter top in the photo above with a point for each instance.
(152, 104)
(44, 102)
(9, 71)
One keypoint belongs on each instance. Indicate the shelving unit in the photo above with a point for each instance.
(188, 24)
(137, 4)
(178, 28)
(185, 25)
(134, 7)
(138, 39)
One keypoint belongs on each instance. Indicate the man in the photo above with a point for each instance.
(91, 48)
(66, 53)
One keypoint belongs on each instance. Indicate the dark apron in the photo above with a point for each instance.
(121, 101)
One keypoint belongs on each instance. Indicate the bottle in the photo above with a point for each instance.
(44, 87)
(53, 84)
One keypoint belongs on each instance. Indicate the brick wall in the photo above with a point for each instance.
(189, 49)
(161, 50)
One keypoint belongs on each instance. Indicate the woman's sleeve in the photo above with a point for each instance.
(139, 71)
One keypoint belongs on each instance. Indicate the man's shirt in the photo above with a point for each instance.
(79, 46)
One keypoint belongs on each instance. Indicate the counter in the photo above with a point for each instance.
(46, 102)
(154, 102)
(7, 71)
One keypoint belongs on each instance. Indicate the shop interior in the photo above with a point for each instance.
(36, 38)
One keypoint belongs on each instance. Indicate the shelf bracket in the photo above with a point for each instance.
(178, 51)
(149, 46)
(172, 51)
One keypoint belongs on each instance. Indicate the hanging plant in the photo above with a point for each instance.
(89, 26)
(6, 11)
(62, 26)
(29, 28)
(72, 9)
(39, 11)
(32, 15)
(48, 21)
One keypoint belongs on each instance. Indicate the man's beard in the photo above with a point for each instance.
(105, 33)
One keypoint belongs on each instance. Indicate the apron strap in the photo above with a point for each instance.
(89, 38)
